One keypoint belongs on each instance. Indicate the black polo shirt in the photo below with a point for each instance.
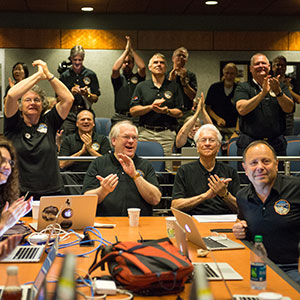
(192, 180)
(126, 194)
(36, 151)
(192, 81)
(85, 78)
(267, 120)
(145, 94)
(124, 87)
(222, 104)
(277, 220)
(72, 144)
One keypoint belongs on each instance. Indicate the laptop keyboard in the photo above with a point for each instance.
(26, 252)
(213, 244)
(245, 297)
(210, 273)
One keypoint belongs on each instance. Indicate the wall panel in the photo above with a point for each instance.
(170, 40)
(97, 39)
(30, 38)
(251, 40)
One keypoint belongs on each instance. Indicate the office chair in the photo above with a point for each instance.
(151, 149)
(232, 151)
(293, 149)
(102, 125)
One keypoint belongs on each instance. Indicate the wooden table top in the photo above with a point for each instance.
(155, 228)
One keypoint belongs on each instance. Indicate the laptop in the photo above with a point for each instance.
(71, 211)
(207, 243)
(30, 292)
(189, 151)
(212, 269)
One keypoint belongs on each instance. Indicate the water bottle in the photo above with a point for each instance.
(257, 265)
(12, 289)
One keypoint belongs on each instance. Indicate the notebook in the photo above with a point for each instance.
(193, 234)
(74, 211)
(30, 292)
(211, 269)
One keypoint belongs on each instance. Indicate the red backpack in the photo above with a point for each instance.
(146, 268)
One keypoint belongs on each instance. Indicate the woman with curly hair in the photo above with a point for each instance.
(11, 208)
(9, 174)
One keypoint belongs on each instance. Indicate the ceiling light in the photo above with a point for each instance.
(87, 8)
(211, 2)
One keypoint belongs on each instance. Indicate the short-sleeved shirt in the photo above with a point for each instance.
(267, 120)
(36, 151)
(124, 86)
(72, 144)
(222, 104)
(85, 78)
(126, 194)
(192, 180)
(145, 94)
(277, 219)
(191, 79)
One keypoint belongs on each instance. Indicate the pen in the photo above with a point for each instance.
(100, 225)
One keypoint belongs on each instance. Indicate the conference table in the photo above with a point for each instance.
(155, 228)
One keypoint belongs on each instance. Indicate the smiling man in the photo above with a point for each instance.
(262, 104)
(186, 79)
(158, 102)
(206, 186)
(121, 179)
(85, 142)
(84, 85)
(270, 206)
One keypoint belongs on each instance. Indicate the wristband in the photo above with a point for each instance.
(53, 76)
(137, 175)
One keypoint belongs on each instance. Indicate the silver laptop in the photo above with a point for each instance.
(189, 151)
(71, 211)
(193, 234)
(212, 271)
(30, 292)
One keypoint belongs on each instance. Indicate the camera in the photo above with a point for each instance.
(64, 66)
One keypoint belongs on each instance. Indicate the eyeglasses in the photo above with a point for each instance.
(210, 140)
(35, 100)
(6, 160)
(128, 137)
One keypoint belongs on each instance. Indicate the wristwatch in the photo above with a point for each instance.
(137, 175)
(280, 94)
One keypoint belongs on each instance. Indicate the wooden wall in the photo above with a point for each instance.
(149, 39)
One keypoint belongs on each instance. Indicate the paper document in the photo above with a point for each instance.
(215, 218)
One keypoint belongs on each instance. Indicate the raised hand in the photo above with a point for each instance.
(108, 183)
(127, 164)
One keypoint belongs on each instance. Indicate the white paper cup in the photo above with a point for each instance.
(170, 226)
(269, 296)
(35, 209)
(134, 215)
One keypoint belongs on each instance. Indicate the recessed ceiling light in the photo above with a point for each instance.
(211, 2)
(87, 8)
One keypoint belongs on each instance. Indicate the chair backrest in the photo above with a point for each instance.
(232, 151)
(293, 149)
(151, 149)
(103, 125)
